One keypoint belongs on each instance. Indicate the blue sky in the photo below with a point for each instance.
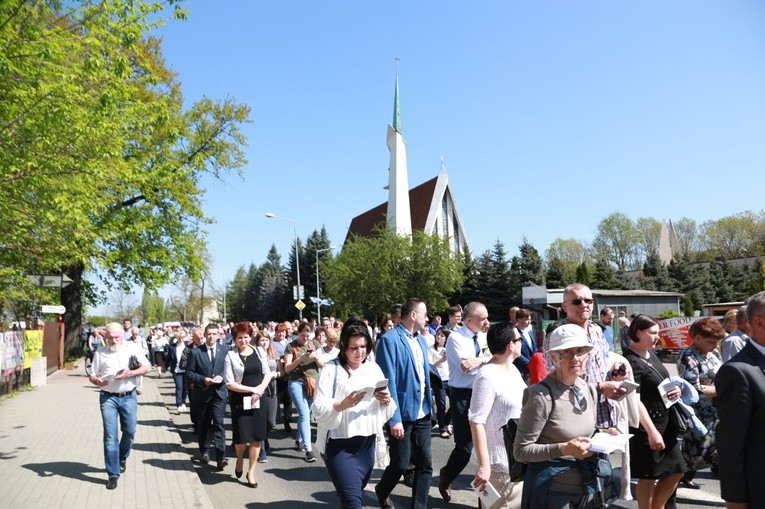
(549, 115)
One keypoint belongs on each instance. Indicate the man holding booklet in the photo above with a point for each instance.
(115, 368)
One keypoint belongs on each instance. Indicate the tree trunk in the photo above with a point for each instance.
(71, 298)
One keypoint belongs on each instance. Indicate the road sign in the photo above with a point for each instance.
(56, 310)
(51, 280)
(300, 305)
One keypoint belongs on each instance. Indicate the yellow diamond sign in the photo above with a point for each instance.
(300, 305)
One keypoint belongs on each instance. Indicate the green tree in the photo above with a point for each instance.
(616, 241)
(648, 233)
(496, 291)
(583, 274)
(152, 310)
(100, 159)
(525, 270)
(372, 273)
(603, 276)
(559, 274)
(272, 296)
(735, 236)
(687, 235)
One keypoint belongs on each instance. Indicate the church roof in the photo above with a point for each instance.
(420, 199)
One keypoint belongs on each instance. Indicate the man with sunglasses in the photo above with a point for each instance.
(578, 304)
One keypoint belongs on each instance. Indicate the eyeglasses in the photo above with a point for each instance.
(578, 302)
(570, 354)
(579, 398)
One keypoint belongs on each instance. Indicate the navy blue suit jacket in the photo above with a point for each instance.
(522, 362)
(740, 431)
(396, 360)
(199, 367)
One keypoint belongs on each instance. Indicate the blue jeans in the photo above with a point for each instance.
(349, 463)
(180, 388)
(443, 415)
(415, 444)
(112, 408)
(300, 400)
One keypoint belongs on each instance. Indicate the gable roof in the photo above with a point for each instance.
(420, 199)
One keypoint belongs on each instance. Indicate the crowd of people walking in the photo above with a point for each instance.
(375, 396)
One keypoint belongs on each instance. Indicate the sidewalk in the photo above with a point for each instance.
(51, 452)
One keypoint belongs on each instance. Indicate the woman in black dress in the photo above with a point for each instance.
(247, 376)
(655, 456)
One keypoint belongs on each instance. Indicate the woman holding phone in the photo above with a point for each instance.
(351, 405)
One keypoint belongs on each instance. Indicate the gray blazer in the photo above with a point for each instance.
(233, 369)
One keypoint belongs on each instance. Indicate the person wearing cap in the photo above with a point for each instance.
(655, 455)
(557, 421)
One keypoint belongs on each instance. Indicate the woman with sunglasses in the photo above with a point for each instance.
(557, 421)
(655, 456)
(497, 395)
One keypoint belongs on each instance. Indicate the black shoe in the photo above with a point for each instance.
(384, 503)
(287, 427)
(222, 464)
(122, 466)
(309, 457)
(203, 458)
(409, 477)
(443, 488)
(111, 483)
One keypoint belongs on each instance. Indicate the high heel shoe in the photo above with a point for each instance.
(251, 484)
(238, 471)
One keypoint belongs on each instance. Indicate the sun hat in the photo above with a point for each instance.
(568, 336)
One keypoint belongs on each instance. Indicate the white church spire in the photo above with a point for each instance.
(399, 216)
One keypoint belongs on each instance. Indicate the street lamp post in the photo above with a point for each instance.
(270, 215)
(318, 293)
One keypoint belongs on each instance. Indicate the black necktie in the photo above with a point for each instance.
(477, 347)
(212, 355)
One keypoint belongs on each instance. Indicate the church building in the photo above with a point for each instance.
(428, 207)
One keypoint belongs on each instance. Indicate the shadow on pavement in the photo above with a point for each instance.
(68, 469)
(322, 500)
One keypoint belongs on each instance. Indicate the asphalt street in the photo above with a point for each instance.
(287, 481)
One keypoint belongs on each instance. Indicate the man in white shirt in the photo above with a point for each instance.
(463, 353)
(118, 399)
(734, 342)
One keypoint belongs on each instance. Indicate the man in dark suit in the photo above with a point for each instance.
(208, 398)
(528, 342)
(740, 385)
(403, 357)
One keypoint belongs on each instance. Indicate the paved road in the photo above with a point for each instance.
(286, 464)
(51, 456)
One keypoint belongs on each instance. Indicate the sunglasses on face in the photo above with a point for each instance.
(578, 302)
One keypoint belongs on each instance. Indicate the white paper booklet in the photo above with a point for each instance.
(488, 496)
(607, 443)
(665, 386)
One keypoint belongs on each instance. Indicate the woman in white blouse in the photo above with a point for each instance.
(350, 413)
(497, 397)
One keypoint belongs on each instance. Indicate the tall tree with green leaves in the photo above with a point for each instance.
(101, 161)
(372, 273)
(525, 270)
(616, 241)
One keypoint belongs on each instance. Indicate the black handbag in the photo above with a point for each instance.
(133, 363)
(517, 469)
(679, 418)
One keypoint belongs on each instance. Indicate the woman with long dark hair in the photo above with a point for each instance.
(350, 413)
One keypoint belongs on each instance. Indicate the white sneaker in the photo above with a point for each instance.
(181, 409)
